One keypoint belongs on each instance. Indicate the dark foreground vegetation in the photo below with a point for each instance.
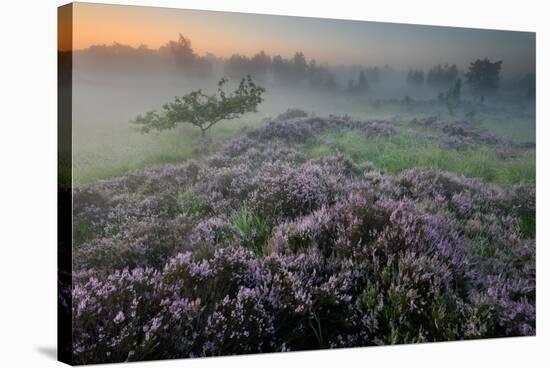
(291, 236)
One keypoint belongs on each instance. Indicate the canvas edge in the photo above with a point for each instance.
(64, 183)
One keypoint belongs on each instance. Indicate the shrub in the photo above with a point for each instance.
(256, 248)
(291, 114)
(283, 191)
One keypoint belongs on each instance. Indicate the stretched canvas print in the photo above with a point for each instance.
(240, 183)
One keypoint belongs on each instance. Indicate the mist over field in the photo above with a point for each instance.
(112, 84)
(297, 184)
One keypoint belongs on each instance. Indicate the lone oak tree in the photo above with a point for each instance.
(202, 110)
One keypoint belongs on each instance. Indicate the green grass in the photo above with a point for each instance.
(320, 150)
(518, 129)
(254, 230)
(116, 154)
(105, 146)
(410, 150)
(189, 205)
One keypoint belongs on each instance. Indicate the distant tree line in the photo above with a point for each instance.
(294, 71)
(180, 53)
(373, 74)
(185, 57)
(483, 75)
(439, 75)
(442, 75)
(361, 86)
(415, 77)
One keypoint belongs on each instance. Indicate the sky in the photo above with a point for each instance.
(327, 40)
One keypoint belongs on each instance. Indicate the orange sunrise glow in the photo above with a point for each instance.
(326, 40)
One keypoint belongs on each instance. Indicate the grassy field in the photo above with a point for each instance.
(411, 149)
(106, 146)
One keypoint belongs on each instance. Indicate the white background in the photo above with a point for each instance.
(28, 181)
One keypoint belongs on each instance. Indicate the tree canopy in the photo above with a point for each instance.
(415, 77)
(361, 86)
(203, 110)
(484, 75)
(442, 75)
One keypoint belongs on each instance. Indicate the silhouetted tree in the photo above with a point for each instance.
(299, 67)
(294, 71)
(202, 110)
(373, 74)
(453, 96)
(529, 84)
(361, 86)
(484, 76)
(186, 58)
(260, 64)
(319, 76)
(415, 77)
(441, 75)
(181, 50)
(237, 66)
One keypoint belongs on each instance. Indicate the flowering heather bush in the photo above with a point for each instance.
(257, 248)
(307, 129)
(145, 243)
(286, 192)
(464, 135)
(212, 231)
(291, 114)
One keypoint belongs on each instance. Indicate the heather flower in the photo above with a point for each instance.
(119, 318)
(352, 257)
